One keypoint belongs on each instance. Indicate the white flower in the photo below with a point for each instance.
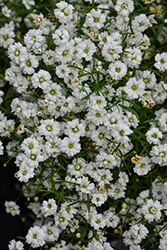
(154, 135)
(74, 129)
(63, 71)
(35, 237)
(101, 135)
(84, 185)
(7, 127)
(52, 146)
(15, 245)
(49, 57)
(5, 11)
(12, 208)
(60, 36)
(122, 22)
(97, 102)
(29, 145)
(34, 39)
(41, 79)
(158, 189)
(6, 35)
(135, 235)
(98, 221)
(68, 208)
(61, 220)
(30, 19)
(1, 94)
(92, 169)
(95, 19)
(161, 61)
(25, 172)
(148, 78)
(131, 120)
(28, 63)
(141, 23)
(70, 146)
(77, 167)
(21, 83)
(159, 154)
(120, 132)
(144, 167)
(64, 12)
(152, 210)
(163, 243)
(103, 37)
(143, 197)
(123, 178)
(125, 147)
(47, 26)
(163, 122)
(124, 7)
(67, 105)
(134, 39)
(108, 92)
(51, 232)
(111, 51)
(11, 73)
(105, 160)
(134, 88)
(28, 3)
(64, 53)
(116, 191)
(117, 70)
(49, 128)
(85, 49)
(111, 219)
(104, 176)
(1, 148)
(98, 199)
(96, 116)
(115, 117)
(132, 57)
(12, 148)
(49, 207)
(159, 92)
(35, 208)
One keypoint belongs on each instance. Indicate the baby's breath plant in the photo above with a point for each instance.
(83, 121)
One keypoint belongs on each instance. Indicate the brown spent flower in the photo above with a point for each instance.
(158, 10)
(92, 34)
(80, 248)
(116, 157)
(147, 55)
(53, 19)
(102, 190)
(118, 230)
(18, 35)
(158, 50)
(39, 19)
(136, 159)
(149, 105)
(20, 129)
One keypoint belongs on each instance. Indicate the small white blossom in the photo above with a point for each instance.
(152, 210)
(15, 245)
(12, 208)
(49, 207)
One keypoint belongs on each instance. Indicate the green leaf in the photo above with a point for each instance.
(148, 121)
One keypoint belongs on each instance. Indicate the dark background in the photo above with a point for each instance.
(11, 226)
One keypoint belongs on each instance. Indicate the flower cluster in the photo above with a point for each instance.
(89, 122)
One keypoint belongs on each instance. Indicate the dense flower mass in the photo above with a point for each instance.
(83, 117)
